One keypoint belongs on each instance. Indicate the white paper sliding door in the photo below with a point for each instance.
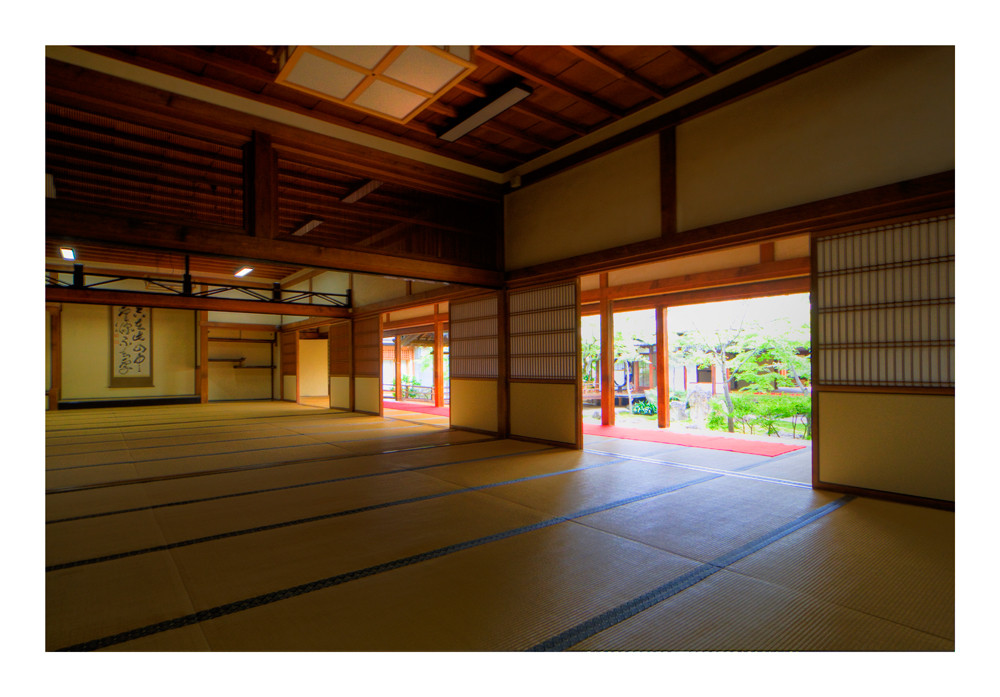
(884, 359)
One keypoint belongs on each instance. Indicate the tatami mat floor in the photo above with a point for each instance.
(274, 526)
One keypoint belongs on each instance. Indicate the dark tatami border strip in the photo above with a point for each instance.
(263, 465)
(227, 452)
(298, 486)
(323, 516)
(197, 423)
(338, 579)
(633, 607)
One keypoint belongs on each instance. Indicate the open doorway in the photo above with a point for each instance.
(735, 369)
(314, 368)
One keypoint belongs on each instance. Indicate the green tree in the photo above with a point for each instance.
(762, 358)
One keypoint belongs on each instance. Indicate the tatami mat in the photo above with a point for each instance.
(356, 532)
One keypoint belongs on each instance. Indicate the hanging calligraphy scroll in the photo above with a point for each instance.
(131, 346)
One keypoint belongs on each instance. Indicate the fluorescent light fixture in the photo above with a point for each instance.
(308, 227)
(243, 272)
(68, 253)
(494, 108)
(362, 191)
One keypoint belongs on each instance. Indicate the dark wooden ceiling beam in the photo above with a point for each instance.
(696, 60)
(543, 115)
(515, 66)
(181, 302)
(56, 124)
(69, 223)
(104, 94)
(769, 77)
(612, 68)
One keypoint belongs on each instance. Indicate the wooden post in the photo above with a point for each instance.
(662, 370)
(203, 356)
(398, 363)
(503, 364)
(438, 357)
(261, 186)
(54, 313)
(607, 356)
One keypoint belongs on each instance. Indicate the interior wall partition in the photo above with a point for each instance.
(367, 361)
(289, 350)
(884, 360)
(341, 366)
(544, 364)
(477, 366)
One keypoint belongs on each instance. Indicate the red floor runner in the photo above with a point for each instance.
(416, 406)
(733, 445)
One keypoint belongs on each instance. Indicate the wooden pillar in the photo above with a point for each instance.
(438, 357)
(397, 362)
(261, 186)
(662, 370)
(607, 356)
(55, 354)
(503, 364)
(203, 356)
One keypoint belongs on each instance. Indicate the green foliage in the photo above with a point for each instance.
(644, 407)
(679, 396)
(762, 414)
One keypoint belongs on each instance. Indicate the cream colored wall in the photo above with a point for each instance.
(340, 392)
(883, 115)
(602, 204)
(48, 352)
(544, 411)
(710, 261)
(288, 387)
(474, 404)
(412, 312)
(228, 383)
(373, 289)
(367, 394)
(244, 318)
(314, 369)
(903, 444)
(86, 354)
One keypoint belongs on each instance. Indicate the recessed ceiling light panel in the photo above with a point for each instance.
(392, 82)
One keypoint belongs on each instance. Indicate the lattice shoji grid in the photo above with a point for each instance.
(473, 328)
(886, 306)
(543, 333)
(367, 347)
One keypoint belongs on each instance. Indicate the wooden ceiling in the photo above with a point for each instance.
(575, 90)
(145, 175)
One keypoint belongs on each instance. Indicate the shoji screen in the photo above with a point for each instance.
(475, 364)
(884, 358)
(544, 338)
(367, 357)
(341, 363)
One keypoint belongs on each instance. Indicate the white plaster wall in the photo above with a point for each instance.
(883, 115)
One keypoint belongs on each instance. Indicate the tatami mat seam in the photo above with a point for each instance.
(739, 472)
(225, 452)
(244, 468)
(317, 518)
(630, 608)
(312, 586)
(305, 484)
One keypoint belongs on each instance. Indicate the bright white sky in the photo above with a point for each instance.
(711, 317)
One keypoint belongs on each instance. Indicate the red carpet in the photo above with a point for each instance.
(416, 406)
(733, 445)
